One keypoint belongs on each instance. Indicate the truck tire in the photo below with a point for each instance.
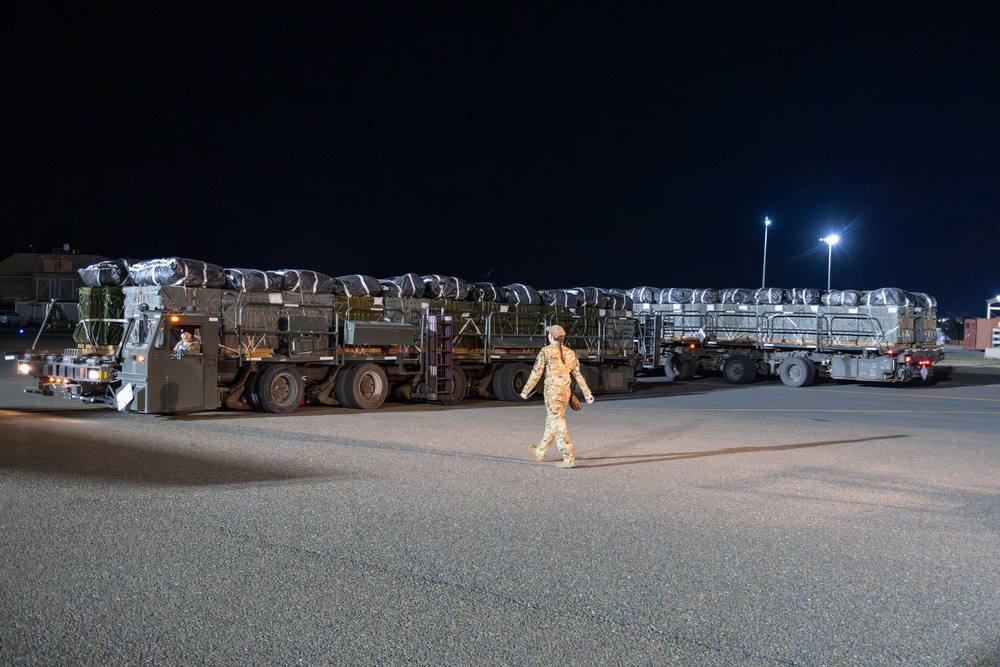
(250, 393)
(499, 383)
(278, 389)
(688, 367)
(739, 369)
(340, 384)
(796, 372)
(672, 368)
(509, 380)
(459, 385)
(364, 387)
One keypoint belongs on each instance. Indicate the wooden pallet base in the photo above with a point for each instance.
(103, 350)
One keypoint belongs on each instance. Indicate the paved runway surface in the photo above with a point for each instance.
(709, 525)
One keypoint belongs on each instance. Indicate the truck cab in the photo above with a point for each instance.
(161, 375)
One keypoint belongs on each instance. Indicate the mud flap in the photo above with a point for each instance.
(123, 397)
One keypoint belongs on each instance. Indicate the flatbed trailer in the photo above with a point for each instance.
(273, 351)
(796, 342)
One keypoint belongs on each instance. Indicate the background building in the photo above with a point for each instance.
(983, 333)
(29, 281)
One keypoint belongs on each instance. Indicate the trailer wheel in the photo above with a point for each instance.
(459, 385)
(739, 369)
(509, 381)
(364, 387)
(278, 389)
(672, 368)
(340, 385)
(250, 393)
(796, 372)
(688, 367)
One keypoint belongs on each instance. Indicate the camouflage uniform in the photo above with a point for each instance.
(187, 345)
(558, 362)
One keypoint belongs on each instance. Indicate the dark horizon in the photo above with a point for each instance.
(558, 147)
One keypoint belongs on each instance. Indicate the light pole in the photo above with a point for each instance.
(763, 275)
(831, 241)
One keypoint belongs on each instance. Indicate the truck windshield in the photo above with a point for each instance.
(138, 330)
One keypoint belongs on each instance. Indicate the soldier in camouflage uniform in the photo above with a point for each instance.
(558, 362)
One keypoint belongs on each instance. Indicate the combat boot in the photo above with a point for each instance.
(569, 457)
(539, 454)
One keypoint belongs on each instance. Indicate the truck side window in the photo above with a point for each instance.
(186, 340)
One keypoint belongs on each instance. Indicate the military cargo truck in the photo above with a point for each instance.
(273, 351)
(888, 340)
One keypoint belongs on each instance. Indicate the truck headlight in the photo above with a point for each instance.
(93, 374)
(24, 369)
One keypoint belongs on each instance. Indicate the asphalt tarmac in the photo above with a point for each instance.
(708, 525)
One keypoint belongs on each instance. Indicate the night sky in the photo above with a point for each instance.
(558, 144)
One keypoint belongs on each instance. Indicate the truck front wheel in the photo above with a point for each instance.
(278, 389)
(796, 372)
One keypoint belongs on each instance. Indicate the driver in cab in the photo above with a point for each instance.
(187, 345)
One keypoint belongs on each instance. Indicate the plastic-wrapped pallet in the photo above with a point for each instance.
(852, 297)
(522, 295)
(704, 295)
(177, 272)
(445, 287)
(847, 297)
(924, 300)
(559, 297)
(408, 284)
(643, 294)
(617, 299)
(736, 295)
(592, 297)
(888, 296)
(487, 292)
(357, 285)
(110, 273)
(674, 295)
(389, 288)
(253, 280)
(805, 296)
(307, 282)
(769, 296)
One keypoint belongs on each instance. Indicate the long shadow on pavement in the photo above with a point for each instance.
(654, 458)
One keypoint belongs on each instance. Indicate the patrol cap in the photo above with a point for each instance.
(556, 331)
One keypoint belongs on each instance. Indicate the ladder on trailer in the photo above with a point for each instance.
(652, 336)
(439, 355)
